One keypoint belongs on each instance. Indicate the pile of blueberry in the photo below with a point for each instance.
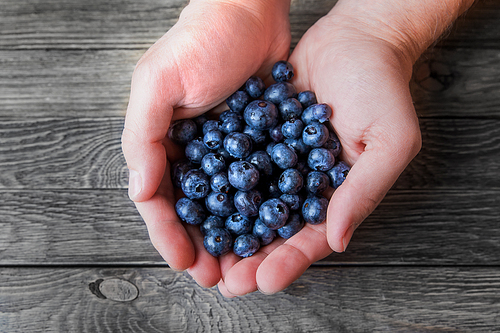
(259, 171)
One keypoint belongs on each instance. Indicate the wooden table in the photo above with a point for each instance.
(75, 255)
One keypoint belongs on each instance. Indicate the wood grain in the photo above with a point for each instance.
(434, 227)
(336, 299)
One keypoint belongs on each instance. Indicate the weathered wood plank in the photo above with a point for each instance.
(342, 299)
(103, 227)
(86, 153)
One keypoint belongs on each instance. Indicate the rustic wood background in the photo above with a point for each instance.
(75, 255)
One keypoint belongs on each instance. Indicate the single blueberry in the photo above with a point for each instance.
(290, 108)
(248, 202)
(210, 125)
(238, 101)
(274, 213)
(179, 169)
(303, 168)
(338, 174)
(293, 201)
(243, 175)
(183, 131)
(292, 128)
(298, 146)
(261, 115)
(200, 121)
(218, 241)
(282, 71)
(238, 145)
(276, 134)
(213, 139)
(213, 163)
(270, 188)
(294, 224)
(317, 182)
(315, 134)
(246, 245)
(314, 209)
(263, 233)
(333, 144)
(317, 112)
(238, 224)
(269, 148)
(278, 92)
(230, 121)
(320, 159)
(262, 162)
(195, 150)
(190, 211)
(290, 181)
(195, 184)
(220, 182)
(255, 87)
(258, 137)
(211, 222)
(222, 151)
(220, 204)
(307, 98)
(284, 156)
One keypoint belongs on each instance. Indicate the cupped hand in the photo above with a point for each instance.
(365, 79)
(209, 53)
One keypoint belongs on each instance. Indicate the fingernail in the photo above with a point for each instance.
(347, 236)
(134, 184)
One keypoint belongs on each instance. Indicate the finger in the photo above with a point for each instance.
(205, 268)
(223, 290)
(290, 260)
(240, 279)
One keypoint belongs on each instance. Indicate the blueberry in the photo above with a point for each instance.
(220, 182)
(320, 159)
(179, 169)
(238, 145)
(270, 188)
(238, 224)
(213, 139)
(248, 202)
(317, 112)
(293, 201)
(213, 163)
(220, 204)
(307, 98)
(292, 128)
(270, 147)
(258, 137)
(314, 209)
(210, 125)
(294, 224)
(230, 121)
(333, 144)
(200, 121)
(298, 146)
(210, 223)
(303, 168)
(195, 150)
(238, 101)
(255, 87)
(317, 182)
(243, 175)
(274, 213)
(315, 134)
(290, 108)
(261, 115)
(218, 241)
(338, 174)
(246, 245)
(183, 131)
(222, 151)
(195, 184)
(278, 92)
(290, 181)
(190, 211)
(262, 162)
(276, 134)
(263, 233)
(282, 71)
(284, 156)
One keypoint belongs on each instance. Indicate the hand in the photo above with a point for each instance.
(365, 80)
(207, 55)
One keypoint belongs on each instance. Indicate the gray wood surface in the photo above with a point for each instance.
(75, 255)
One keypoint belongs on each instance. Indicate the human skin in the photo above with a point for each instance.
(358, 59)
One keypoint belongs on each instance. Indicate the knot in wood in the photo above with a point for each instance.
(433, 76)
(115, 289)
